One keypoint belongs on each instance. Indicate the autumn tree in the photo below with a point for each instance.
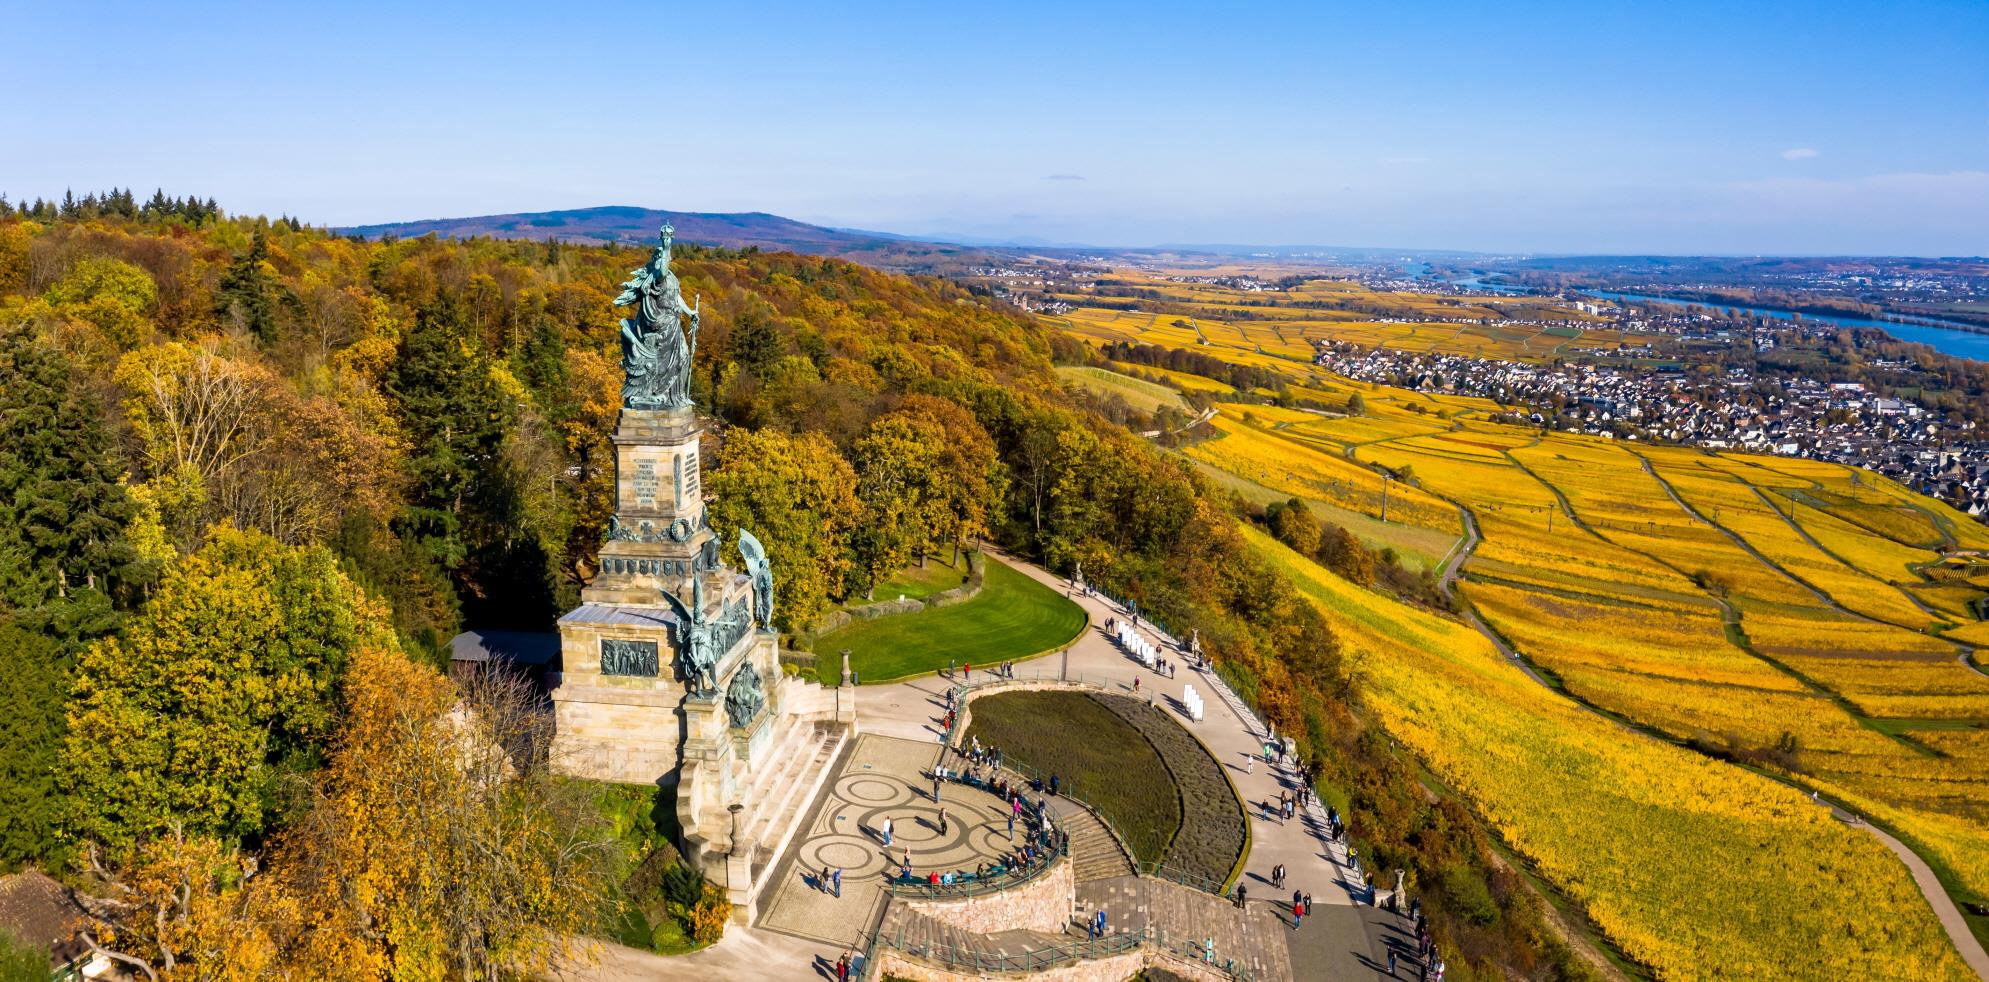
(798, 495)
(223, 683)
(897, 467)
(183, 906)
(439, 844)
(970, 482)
(115, 296)
(1294, 525)
(1346, 555)
(226, 439)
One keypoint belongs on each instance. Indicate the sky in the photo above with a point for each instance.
(1819, 127)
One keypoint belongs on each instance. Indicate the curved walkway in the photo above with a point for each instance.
(1355, 937)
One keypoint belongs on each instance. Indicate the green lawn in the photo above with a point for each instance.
(1012, 617)
(1101, 758)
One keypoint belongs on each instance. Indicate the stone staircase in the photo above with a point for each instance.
(1094, 851)
(777, 800)
(925, 937)
(1180, 918)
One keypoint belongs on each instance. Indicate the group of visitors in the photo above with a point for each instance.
(849, 966)
(1097, 924)
(831, 881)
(965, 672)
(1426, 951)
(1301, 905)
(1287, 806)
(1041, 839)
(980, 757)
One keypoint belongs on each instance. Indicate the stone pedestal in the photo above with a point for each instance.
(666, 676)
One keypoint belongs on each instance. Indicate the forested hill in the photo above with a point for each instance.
(742, 230)
(246, 465)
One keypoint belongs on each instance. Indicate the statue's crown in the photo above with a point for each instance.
(668, 231)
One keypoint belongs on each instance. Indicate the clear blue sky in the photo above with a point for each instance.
(1732, 127)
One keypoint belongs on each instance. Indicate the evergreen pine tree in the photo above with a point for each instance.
(63, 514)
(247, 292)
(455, 421)
(32, 726)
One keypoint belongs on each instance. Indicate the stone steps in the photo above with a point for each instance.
(777, 803)
(1094, 851)
(924, 937)
(1181, 918)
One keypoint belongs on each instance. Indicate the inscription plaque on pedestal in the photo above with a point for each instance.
(645, 482)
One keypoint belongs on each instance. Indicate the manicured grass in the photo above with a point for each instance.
(1100, 757)
(916, 583)
(1149, 777)
(1012, 617)
(1213, 828)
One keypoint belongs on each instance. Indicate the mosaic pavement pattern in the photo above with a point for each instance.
(883, 777)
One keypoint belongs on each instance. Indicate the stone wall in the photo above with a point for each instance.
(1112, 968)
(840, 618)
(1044, 903)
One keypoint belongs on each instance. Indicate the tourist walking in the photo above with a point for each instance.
(1242, 895)
(1391, 963)
(942, 820)
(836, 881)
(886, 829)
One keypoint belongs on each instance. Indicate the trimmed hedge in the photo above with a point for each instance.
(1213, 826)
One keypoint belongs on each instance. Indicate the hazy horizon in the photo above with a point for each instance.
(1686, 128)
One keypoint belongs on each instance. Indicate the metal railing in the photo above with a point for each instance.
(1066, 953)
(1184, 877)
(1073, 790)
(965, 883)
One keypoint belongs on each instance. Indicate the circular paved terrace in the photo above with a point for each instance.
(885, 777)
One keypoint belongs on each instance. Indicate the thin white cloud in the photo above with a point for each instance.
(1064, 177)
(1799, 153)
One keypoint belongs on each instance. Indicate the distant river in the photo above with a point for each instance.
(1959, 340)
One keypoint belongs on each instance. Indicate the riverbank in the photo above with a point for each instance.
(1955, 338)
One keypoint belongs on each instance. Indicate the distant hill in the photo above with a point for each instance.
(627, 224)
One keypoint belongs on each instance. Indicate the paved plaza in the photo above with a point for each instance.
(884, 777)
